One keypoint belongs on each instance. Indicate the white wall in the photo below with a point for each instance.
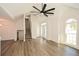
(78, 35)
(68, 13)
(52, 22)
(56, 23)
(19, 20)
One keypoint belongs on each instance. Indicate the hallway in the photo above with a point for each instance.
(36, 47)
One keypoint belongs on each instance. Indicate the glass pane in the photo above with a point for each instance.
(71, 30)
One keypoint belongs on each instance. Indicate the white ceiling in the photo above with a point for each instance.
(14, 9)
(74, 5)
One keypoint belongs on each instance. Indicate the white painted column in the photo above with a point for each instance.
(24, 28)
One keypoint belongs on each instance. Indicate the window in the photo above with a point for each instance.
(71, 31)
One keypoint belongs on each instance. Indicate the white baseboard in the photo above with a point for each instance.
(70, 45)
(8, 39)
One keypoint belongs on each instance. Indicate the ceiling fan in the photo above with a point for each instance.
(45, 12)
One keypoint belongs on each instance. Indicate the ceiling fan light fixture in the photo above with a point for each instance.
(43, 11)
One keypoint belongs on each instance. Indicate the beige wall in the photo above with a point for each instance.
(0, 48)
(8, 29)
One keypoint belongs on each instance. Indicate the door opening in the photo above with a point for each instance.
(44, 30)
(27, 28)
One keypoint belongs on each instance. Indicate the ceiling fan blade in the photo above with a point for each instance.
(49, 13)
(44, 6)
(45, 14)
(34, 12)
(50, 9)
(36, 8)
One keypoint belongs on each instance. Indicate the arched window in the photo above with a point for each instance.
(71, 30)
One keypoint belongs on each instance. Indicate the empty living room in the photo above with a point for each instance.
(39, 29)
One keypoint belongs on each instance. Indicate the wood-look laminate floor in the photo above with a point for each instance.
(36, 47)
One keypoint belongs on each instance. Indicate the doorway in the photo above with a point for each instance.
(71, 31)
(20, 35)
(44, 30)
(27, 28)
